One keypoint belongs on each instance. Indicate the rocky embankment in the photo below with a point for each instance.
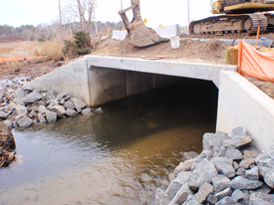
(228, 171)
(28, 106)
(7, 145)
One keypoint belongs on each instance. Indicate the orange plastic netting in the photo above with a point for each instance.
(253, 63)
(2, 60)
(11, 59)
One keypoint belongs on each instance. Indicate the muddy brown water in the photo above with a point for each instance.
(120, 157)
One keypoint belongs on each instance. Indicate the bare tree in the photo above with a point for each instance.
(85, 8)
(81, 11)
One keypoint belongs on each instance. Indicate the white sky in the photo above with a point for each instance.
(33, 12)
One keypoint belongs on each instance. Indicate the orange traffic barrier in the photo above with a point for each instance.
(253, 63)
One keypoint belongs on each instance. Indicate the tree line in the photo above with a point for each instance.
(43, 32)
(75, 16)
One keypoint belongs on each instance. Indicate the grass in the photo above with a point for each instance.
(232, 55)
(25, 49)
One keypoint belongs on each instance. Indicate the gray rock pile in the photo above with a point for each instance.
(228, 171)
(29, 107)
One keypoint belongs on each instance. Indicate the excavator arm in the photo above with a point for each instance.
(138, 34)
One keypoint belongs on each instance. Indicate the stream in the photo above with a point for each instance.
(119, 157)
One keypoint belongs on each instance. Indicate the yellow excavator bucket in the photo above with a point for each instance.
(138, 34)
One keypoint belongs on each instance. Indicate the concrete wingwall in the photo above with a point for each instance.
(72, 78)
(242, 103)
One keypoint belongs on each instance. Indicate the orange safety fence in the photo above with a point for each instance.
(31, 57)
(2, 60)
(11, 59)
(253, 63)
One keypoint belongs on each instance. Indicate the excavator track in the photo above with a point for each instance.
(230, 25)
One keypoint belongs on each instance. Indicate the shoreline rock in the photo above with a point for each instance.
(29, 106)
(228, 171)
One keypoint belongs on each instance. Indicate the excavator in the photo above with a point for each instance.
(237, 17)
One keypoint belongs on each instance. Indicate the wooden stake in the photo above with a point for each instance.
(258, 33)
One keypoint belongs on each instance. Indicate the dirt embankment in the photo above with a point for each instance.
(212, 51)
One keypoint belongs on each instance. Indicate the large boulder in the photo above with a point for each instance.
(41, 118)
(32, 97)
(42, 109)
(201, 174)
(213, 141)
(203, 192)
(241, 182)
(218, 182)
(79, 104)
(224, 166)
(21, 110)
(51, 116)
(240, 197)
(23, 121)
(233, 153)
(160, 197)
(181, 195)
(69, 104)
(239, 138)
(252, 173)
(181, 179)
(71, 112)
(62, 95)
(265, 162)
(59, 109)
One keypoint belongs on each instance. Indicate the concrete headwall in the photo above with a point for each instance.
(242, 103)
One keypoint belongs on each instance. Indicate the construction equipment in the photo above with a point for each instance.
(138, 34)
(241, 16)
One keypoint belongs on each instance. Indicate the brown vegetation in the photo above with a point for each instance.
(25, 49)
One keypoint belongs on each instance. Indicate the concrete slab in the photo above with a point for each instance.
(242, 103)
(168, 31)
(119, 35)
(203, 71)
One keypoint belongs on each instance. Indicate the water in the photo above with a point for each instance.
(120, 157)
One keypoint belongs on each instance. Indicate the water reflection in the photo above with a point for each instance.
(120, 157)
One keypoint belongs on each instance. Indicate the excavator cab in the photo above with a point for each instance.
(138, 34)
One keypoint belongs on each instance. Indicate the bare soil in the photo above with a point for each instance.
(212, 51)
